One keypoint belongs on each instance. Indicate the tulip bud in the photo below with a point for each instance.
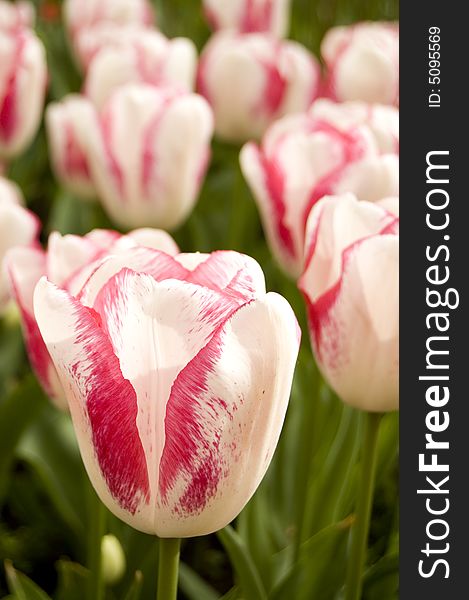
(68, 262)
(18, 227)
(66, 132)
(23, 77)
(83, 15)
(350, 284)
(251, 80)
(113, 559)
(178, 373)
(139, 56)
(382, 120)
(249, 16)
(150, 159)
(16, 15)
(303, 158)
(362, 62)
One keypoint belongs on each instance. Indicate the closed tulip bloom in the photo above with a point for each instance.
(381, 119)
(177, 373)
(249, 16)
(68, 262)
(16, 15)
(351, 287)
(23, 76)
(362, 62)
(152, 154)
(68, 143)
(18, 227)
(303, 158)
(141, 56)
(84, 15)
(251, 80)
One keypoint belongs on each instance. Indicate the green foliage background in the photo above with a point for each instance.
(44, 516)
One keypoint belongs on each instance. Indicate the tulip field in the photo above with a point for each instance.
(199, 248)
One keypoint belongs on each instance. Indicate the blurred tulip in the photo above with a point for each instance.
(251, 80)
(16, 15)
(149, 160)
(113, 558)
(177, 373)
(81, 16)
(140, 56)
(303, 158)
(68, 145)
(382, 120)
(23, 78)
(68, 262)
(249, 16)
(362, 62)
(18, 227)
(350, 283)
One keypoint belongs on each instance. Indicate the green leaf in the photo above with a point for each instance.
(312, 576)
(17, 412)
(136, 587)
(233, 594)
(248, 575)
(381, 581)
(51, 449)
(73, 579)
(21, 586)
(193, 586)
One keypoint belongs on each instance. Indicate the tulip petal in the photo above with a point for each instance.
(102, 402)
(25, 267)
(224, 417)
(355, 326)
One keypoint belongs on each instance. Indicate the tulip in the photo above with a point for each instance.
(68, 143)
(350, 284)
(68, 262)
(15, 16)
(251, 80)
(150, 158)
(84, 15)
(362, 62)
(140, 56)
(381, 119)
(249, 16)
(303, 158)
(18, 227)
(23, 76)
(177, 372)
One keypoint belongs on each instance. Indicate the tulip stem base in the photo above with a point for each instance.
(96, 531)
(360, 530)
(168, 568)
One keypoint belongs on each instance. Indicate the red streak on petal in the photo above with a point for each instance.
(113, 164)
(9, 106)
(257, 16)
(75, 161)
(275, 87)
(111, 404)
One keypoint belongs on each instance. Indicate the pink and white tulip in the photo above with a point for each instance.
(16, 15)
(381, 119)
(177, 372)
(351, 287)
(68, 262)
(82, 16)
(23, 78)
(68, 142)
(150, 155)
(251, 80)
(18, 227)
(140, 56)
(362, 62)
(303, 158)
(249, 16)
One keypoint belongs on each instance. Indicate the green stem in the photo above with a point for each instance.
(168, 568)
(96, 531)
(363, 508)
